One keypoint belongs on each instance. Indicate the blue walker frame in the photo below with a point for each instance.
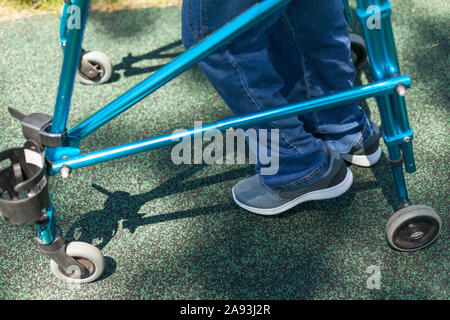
(384, 64)
(389, 89)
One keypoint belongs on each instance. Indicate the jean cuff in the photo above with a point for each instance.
(366, 133)
(310, 178)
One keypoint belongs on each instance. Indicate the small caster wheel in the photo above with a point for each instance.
(95, 68)
(87, 255)
(413, 228)
(358, 50)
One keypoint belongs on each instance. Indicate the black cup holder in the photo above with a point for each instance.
(23, 185)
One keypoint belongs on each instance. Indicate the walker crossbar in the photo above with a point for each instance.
(186, 60)
(352, 95)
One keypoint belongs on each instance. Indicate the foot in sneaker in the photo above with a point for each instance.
(369, 153)
(252, 195)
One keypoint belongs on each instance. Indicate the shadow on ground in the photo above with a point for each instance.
(130, 60)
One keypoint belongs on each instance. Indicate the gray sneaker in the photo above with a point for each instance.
(369, 153)
(252, 195)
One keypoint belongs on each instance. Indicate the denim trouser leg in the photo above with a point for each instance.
(314, 60)
(249, 77)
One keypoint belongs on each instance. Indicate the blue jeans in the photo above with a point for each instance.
(299, 52)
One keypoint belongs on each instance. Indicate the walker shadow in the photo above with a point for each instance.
(129, 61)
(234, 265)
(236, 277)
(102, 225)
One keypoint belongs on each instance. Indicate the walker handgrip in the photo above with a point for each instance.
(36, 127)
(16, 114)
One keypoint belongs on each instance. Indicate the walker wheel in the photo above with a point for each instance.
(413, 228)
(358, 50)
(95, 68)
(87, 255)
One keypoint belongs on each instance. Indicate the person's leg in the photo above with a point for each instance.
(319, 34)
(244, 76)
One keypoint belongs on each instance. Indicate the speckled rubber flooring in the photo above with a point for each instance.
(174, 232)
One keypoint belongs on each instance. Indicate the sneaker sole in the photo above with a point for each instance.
(365, 160)
(323, 194)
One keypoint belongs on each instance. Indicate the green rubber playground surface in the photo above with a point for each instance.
(174, 232)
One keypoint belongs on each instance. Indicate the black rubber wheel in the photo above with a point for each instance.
(413, 228)
(358, 50)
